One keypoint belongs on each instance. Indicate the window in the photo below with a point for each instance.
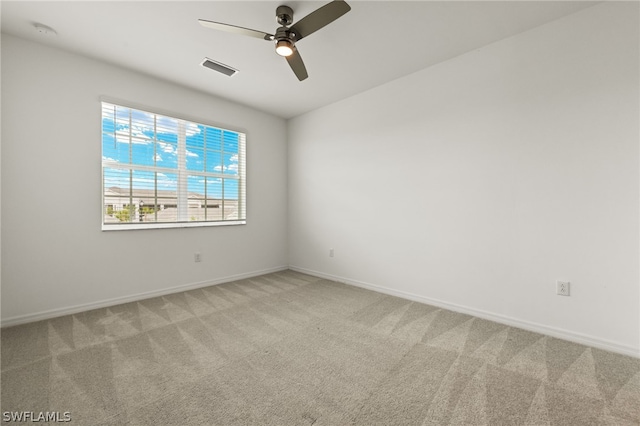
(160, 171)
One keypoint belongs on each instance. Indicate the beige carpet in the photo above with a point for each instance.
(291, 349)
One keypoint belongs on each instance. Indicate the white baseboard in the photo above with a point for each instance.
(53, 313)
(502, 319)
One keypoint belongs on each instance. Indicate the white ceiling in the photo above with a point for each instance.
(377, 41)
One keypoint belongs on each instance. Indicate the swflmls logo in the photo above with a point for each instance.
(35, 417)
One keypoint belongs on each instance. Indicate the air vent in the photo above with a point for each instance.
(220, 67)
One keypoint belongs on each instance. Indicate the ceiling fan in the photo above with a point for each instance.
(287, 35)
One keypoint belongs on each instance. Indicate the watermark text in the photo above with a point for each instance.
(36, 416)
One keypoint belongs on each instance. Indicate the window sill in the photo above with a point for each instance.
(132, 226)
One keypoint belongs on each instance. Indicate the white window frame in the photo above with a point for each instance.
(181, 171)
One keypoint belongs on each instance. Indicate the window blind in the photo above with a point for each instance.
(164, 170)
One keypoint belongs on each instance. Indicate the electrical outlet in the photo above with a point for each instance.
(197, 257)
(562, 288)
(330, 252)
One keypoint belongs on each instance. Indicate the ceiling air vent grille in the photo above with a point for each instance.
(220, 67)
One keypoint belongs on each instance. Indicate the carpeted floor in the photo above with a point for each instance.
(291, 349)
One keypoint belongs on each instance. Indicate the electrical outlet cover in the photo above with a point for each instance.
(563, 288)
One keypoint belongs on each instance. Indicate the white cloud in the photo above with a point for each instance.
(136, 137)
(114, 181)
(143, 124)
(170, 184)
(166, 181)
(141, 132)
(149, 182)
(230, 168)
(158, 158)
(167, 147)
(170, 125)
(166, 125)
(210, 180)
(191, 154)
(192, 129)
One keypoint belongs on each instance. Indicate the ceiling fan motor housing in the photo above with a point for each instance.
(283, 33)
(284, 15)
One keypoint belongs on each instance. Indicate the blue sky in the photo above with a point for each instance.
(149, 142)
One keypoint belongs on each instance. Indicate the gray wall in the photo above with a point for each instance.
(473, 184)
(55, 257)
(477, 183)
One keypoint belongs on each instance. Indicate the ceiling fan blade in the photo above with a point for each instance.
(235, 29)
(296, 64)
(319, 18)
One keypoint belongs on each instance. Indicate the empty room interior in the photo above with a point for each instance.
(313, 212)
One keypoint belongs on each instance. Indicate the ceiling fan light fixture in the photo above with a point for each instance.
(284, 47)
